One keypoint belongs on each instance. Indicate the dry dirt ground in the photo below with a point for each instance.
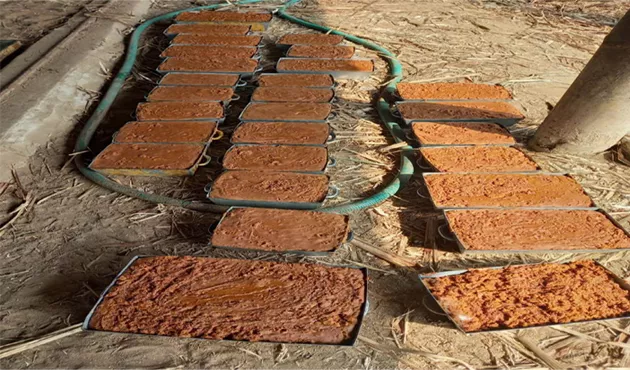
(73, 238)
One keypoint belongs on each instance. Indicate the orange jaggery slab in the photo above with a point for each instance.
(321, 51)
(281, 133)
(179, 110)
(310, 39)
(422, 111)
(231, 16)
(461, 133)
(186, 39)
(286, 111)
(451, 91)
(477, 159)
(276, 158)
(295, 79)
(191, 93)
(232, 65)
(200, 79)
(148, 156)
(207, 29)
(323, 65)
(293, 94)
(166, 132)
(209, 51)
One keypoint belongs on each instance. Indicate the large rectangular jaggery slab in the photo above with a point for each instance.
(222, 16)
(200, 79)
(286, 111)
(461, 133)
(458, 111)
(323, 65)
(477, 159)
(451, 91)
(321, 51)
(209, 51)
(296, 79)
(310, 39)
(232, 65)
(186, 39)
(148, 156)
(179, 110)
(191, 93)
(166, 132)
(276, 158)
(207, 29)
(293, 94)
(281, 133)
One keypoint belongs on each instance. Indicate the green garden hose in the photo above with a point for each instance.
(406, 169)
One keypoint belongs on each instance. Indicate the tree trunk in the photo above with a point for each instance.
(594, 113)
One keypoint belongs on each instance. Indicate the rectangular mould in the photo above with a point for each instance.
(332, 86)
(331, 134)
(255, 56)
(241, 74)
(330, 162)
(225, 103)
(331, 100)
(410, 135)
(427, 166)
(288, 50)
(337, 75)
(332, 115)
(238, 83)
(215, 135)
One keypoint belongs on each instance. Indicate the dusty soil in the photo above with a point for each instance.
(190, 93)
(184, 39)
(451, 91)
(234, 299)
(321, 51)
(291, 79)
(209, 51)
(506, 190)
(223, 16)
(477, 159)
(458, 110)
(287, 111)
(148, 156)
(310, 39)
(199, 79)
(276, 158)
(208, 29)
(293, 94)
(166, 132)
(535, 230)
(522, 296)
(281, 133)
(461, 133)
(302, 64)
(270, 186)
(234, 65)
(178, 110)
(281, 230)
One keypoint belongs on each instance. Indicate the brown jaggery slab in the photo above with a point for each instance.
(178, 110)
(166, 132)
(530, 295)
(296, 79)
(270, 186)
(207, 29)
(286, 111)
(461, 133)
(209, 51)
(214, 16)
(276, 158)
(293, 94)
(321, 51)
(451, 91)
(148, 156)
(305, 64)
(310, 39)
(478, 159)
(281, 230)
(281, 133)
(532, 230)
(196, 297)
(200, 79)
(190, 93)
(187, 39)
(450, 190)
(232, 65)
(458, 111)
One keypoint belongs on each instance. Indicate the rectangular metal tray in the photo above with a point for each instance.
(426, 165)
(331, 134)
(616, 278)
(238, 83)
(288, 50)
(349, 343)
(333, 85)
(242, 74)
(331, 116)
(337, 75)
(426, 174)
(331, 100)
(505, 122)
(330, 162)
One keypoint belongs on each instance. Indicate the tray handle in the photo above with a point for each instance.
(218, 134)
(332, 116)
(332, 162)
(421, 194)
(207, 161)
(333, 192)
(207, 188)
(241, 83)
(235, 97)
(331, 136)
(350, 236)
(443, 233)
(213, 226)
(395, 112)
(422, 166)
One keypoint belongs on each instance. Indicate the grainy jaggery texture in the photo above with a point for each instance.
(148, 156)
(233, 65)
(535, 230)
(281, 230)
(321, 51)
(214, 16)
(281, 133)
(461, 133)
(207, 29)
(286, 111)
(270, 186)
(190, 93)
(523, 296)
(186, 39)
(304, 64)
(505, 190)
(478, 159)
(178, 110)
(458, 111)
(296, 79)
(293, 94)
(200, 79)
(166, 132)
(451, 91)
(209, 51)
(234, 299)
(276, 158)
(310, 39)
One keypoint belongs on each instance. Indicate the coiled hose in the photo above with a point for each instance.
(86, 134)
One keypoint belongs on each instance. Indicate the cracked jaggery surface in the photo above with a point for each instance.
(148, 156)
(276, 158)
(477, 159)
(305, 64)
(292, 94)
(178, 110)
(524, 296)
(505, 190)
(281, 133)
(166, 132)
(190, 93)
(217, 299)
(207, 29)
(200, 79)
(186, 39)
(232, 65)
(461, 133)
(209, 51)
(215, 16)
(296, 79)
(286, 111)
(451, 91)
(458, 110)
(281, 230)
(321, 51)
(310, 39)
(270, 186)
(535, 230)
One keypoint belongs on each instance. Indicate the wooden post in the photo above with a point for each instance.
(594, 113)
